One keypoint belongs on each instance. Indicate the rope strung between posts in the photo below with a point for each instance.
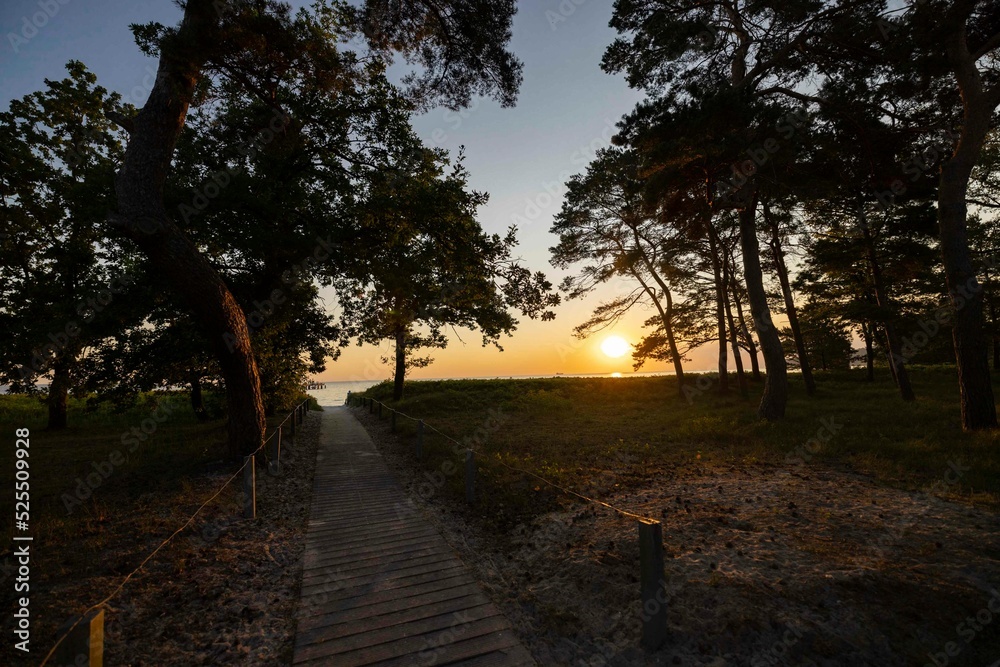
(621, 511)
(164, 543)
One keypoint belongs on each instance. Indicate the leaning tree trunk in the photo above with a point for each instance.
(897, 362)
(733, 337)
(790, 310)
(720, 308)
(666, 314)
(868, 335)
(751, 346)
(995, 333)
(666, 318)
(58, 397)
(668, 325)
(775, 398)
(968, 330)
(142, 217)
(400, 375)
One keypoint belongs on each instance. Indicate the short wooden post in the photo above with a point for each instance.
(470, 476)
(249, 488)
(380, 409)
(348, 401)
(274, 454)
(652, 584)
(371, 406)
(84, 645)
(393, 421)
(420, 439)
(293, 427)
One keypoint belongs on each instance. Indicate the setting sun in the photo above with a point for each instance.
(615, 346)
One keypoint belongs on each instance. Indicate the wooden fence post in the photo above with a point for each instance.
(274, 454)
(654, 594)
(393, 421)
(371, 406)
(470, 476)
(249, 488)
(84, 645)
(420, 439)
(380, 409)
(293, 428)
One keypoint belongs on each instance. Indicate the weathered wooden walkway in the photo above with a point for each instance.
(380, 586)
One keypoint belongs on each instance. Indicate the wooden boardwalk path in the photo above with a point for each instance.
(380, 586)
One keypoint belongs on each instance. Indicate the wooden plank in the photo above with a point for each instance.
(373, 637)
(378, 621)
(415, 542)
(503, 645)
(420, 566)
(363, 559)
(387, 582)
(325, 617)
(374, 542)
(425, 649)
(320, 605)
(350, 564)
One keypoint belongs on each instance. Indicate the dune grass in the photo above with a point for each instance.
(574, 431)
(102, 498)
(108, 458)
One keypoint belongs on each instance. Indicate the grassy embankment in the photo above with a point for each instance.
(159, 442)
(595, 434)
(107, 490)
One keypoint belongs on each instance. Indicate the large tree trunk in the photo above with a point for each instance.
(896, 359)
(720, 307)
(995, 333)
(400, 375)
(775, 398)
(751, 346)
(968, 330)
(790, 309)
(197, 399)
(733, 336)
(58, 397)
(142, 217)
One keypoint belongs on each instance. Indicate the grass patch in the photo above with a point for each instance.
(108, 490)
(596, 435)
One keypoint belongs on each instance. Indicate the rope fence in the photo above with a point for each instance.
(651, 565)
(82, 642)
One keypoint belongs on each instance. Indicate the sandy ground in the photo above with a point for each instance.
(796, 565)
(233, 601)
(222, 592)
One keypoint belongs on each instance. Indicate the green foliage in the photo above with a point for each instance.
(827, 338)
(59, 157)
(428, 264)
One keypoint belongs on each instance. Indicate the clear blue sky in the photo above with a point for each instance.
(521, 156)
